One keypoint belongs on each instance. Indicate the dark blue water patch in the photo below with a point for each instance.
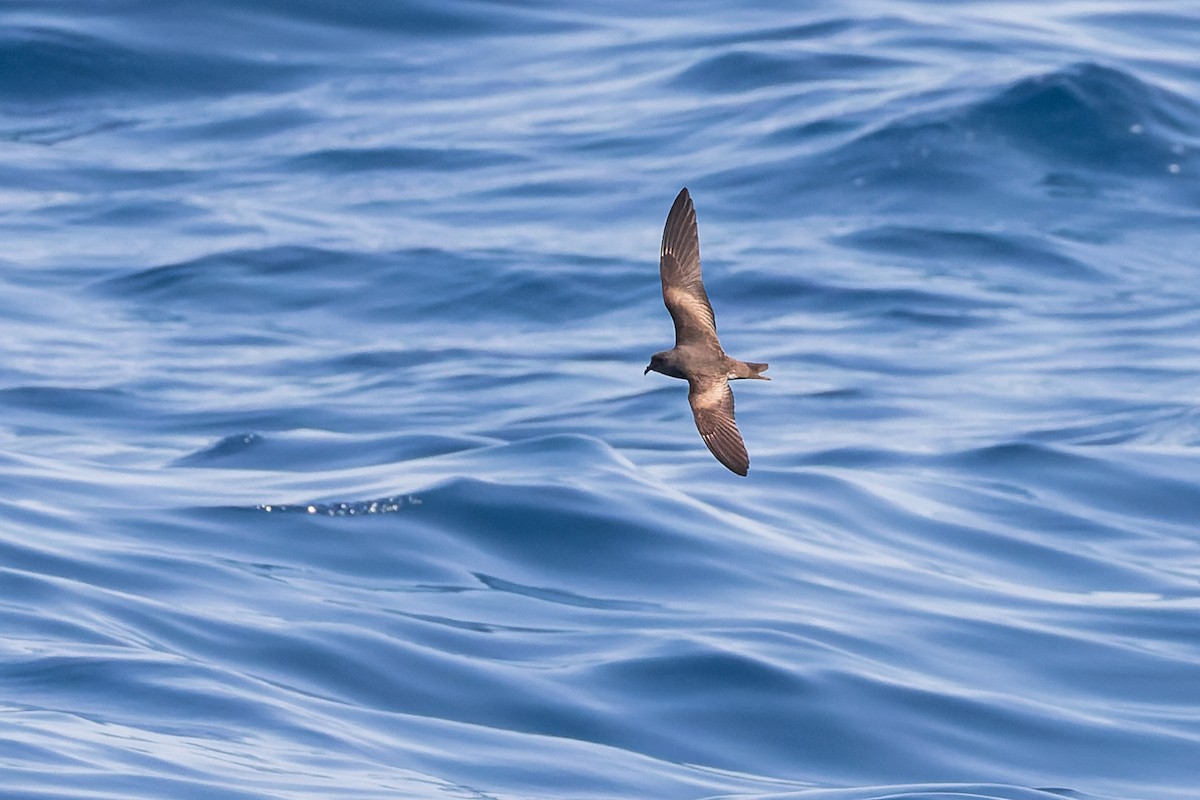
(30, 595)
(63, 126)
(1090, 479)
(247, 127)
(216, 422)
(703, 702)
(584, 539)
(853, 458)
(415, 19)
(564, 597)
(907, 320)
(1097, 658)
(47, 573)
(744, 71)
(239, 133)
(69, 401)
(814, 132)
(1029, 546)
(101, 179)
(502, 285)
(1122, 424)
(43, 66)
(1102, 124)
(932, 154)
(1072, 185)
(688, 673)
(818, 30)
(161, 687)
(248, 281)
(524, 188)
(375, 159)
(776, 292)
(1093, 116)
(108, 213)
(1046, 547)
(390, 362)
(823, 408)
(1167, 619)
(975, 247)
(466, 676)
(874, 364)
(728, 706)
(66, 777)
(229, 446)
(387, 547)
(926, 791)
(296, 452)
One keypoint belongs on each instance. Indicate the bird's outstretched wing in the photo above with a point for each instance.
(712, 405)
(682, 287)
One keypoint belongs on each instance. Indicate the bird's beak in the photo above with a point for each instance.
(646, 371)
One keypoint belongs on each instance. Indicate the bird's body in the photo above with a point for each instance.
(697, 356)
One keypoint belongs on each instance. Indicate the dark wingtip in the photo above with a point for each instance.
(682, 201)
(679, 232)
(735, 462)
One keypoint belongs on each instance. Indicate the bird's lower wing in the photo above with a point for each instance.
(712, 406)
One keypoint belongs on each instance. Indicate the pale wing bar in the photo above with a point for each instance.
(712, 406)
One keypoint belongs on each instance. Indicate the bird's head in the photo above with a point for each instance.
(663, 362)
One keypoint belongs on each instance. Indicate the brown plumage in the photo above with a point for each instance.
(697, 356)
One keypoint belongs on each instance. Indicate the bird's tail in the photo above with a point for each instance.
(751, 369)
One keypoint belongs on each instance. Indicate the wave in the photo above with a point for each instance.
(1076, 131)
(44, 66)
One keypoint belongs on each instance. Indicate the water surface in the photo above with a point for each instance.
(328, 466)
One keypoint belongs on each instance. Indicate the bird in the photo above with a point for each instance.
(697, 356)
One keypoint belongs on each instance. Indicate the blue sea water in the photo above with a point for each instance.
(328, 467)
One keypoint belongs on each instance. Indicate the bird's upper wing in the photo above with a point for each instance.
(682, 287)
(712, 405)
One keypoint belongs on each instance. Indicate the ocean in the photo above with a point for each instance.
(328, 467)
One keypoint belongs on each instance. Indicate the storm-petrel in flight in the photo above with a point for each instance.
(697, 356)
